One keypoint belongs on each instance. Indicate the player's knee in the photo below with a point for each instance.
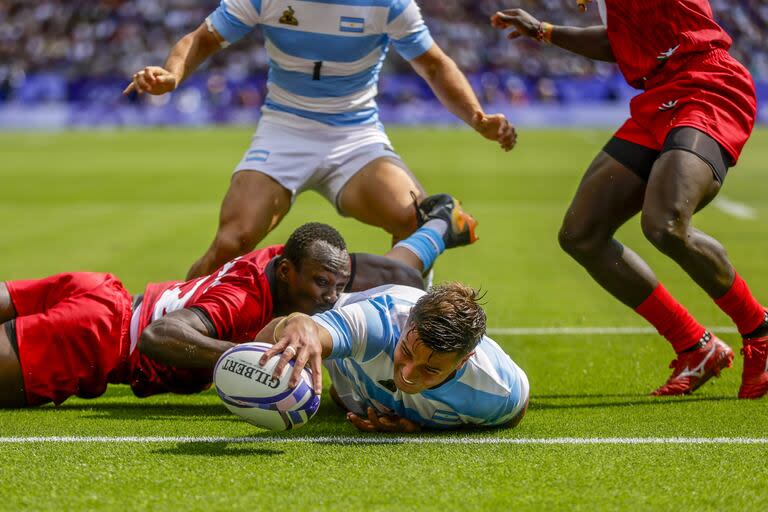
(667, 232)
(401, 223)
(578, 242)
(231, 243)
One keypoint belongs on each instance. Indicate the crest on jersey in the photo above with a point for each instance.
(289, 17)
(348, 24)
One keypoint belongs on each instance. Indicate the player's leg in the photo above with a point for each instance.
(608, 196)
(612, 191)
(7, 311)
(70, 335)
(380, 194)
(443, 224)
(681, 183)
(11, 379)
(254, 204)
(685, 179)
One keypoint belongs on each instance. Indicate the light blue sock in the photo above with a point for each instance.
(426, 243)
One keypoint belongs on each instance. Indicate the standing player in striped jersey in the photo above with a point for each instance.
(401, 359)
(667, 161)
(320, 128)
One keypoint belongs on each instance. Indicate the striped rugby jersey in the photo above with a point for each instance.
(325, 55)
(490, 389)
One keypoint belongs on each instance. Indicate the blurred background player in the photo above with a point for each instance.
(320, 128)
(73, 334)
(667, 161)
(401, 359)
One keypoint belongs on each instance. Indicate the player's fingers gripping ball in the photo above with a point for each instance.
(258, 394)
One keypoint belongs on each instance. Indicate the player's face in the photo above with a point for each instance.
(315, 286)
(418, 368)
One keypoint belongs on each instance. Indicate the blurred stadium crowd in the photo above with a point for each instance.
(65, 50)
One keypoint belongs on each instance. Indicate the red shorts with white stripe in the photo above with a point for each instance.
(711, 92)
(72, 334)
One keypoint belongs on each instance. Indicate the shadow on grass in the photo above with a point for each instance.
(149, 411)
(139, 410)
(635, 400)
(222, 449)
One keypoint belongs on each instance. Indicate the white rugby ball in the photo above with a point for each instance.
(258, 395)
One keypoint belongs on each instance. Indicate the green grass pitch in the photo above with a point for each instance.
(144, 205)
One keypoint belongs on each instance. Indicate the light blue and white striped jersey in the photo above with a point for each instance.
(490, 389)
(325, 55)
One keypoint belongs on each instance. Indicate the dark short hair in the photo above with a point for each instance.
(449, 318)
(298, 246)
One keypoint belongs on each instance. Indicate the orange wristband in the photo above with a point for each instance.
(545, 32)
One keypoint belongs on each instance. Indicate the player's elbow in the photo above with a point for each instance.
(433, 64)
(151, 339)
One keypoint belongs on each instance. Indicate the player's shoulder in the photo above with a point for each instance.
(490, 369)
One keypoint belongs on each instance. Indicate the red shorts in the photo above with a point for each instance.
(72, 334)
(711, 92)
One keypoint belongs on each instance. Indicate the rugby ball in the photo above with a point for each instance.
(258, 395)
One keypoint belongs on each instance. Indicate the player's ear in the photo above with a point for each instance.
(464, 359)
(284, 269)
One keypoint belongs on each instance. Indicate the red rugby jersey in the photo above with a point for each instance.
(650, 36)
(238, 300)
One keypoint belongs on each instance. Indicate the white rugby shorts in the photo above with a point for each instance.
(301, 154)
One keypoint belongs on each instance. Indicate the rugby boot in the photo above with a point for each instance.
(692, 369)
(754, 376)
(461, 225)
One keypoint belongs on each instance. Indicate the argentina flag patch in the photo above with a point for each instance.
(347, 24)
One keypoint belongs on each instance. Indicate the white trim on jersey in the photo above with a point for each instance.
(244, 11)
(360, 100)
(408, 22)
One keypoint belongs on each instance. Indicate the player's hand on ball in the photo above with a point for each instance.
(300, 341)
(382, 423)
(152, 80)
(495, 127)
(522, 23)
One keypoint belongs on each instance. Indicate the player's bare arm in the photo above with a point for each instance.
(591, 42)
(184, 58)
(453, 90)
(183, 339)
(298, 337)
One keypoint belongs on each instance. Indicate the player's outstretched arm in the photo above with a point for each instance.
(298, 337)
(453, 90)
(184, 58)
(591, 42)
(183, 339)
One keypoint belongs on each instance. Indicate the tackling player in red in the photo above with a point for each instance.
(73, 334)
(669, 160)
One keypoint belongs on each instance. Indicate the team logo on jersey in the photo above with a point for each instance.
(347, 24)
(663, 56)
(289, 17)
(668, 105)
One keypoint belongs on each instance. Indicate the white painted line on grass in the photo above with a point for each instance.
(734, 208)
(551, 331)
(352, 440)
